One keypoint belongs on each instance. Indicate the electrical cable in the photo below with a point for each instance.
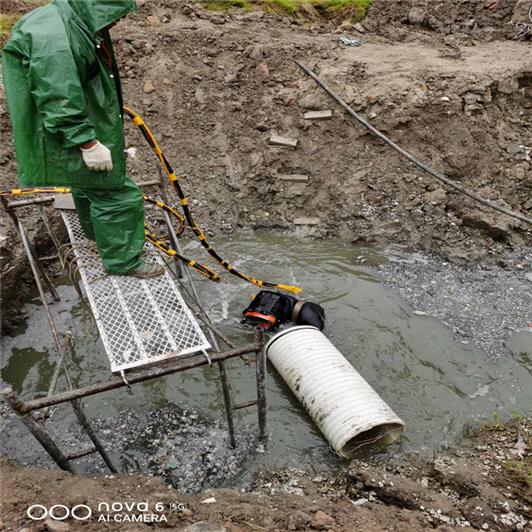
(410, 157)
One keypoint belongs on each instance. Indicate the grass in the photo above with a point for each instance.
(352, 9)
(519, 471)
(224, 5)
(516, 470)
(6, 23)
(7, 20)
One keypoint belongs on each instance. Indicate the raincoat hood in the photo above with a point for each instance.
(62, 87)
(95, 15)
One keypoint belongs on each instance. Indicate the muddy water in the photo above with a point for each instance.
(433, 380)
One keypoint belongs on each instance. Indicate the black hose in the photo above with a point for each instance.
(410, 157)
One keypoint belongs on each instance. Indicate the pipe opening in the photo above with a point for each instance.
(381, 435)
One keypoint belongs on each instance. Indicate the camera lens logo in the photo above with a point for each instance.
(59, 512)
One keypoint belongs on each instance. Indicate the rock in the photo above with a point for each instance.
(210, 500)
(299, 520)
(318, 115)
(218, 20)
(507, 86)
(494, 225)
(309, 102)
(473, 109)
(232, 77)
(263, 69)
(470, 98)
(306, 221)
(294, 178)
(358, 27)
(514, 148)
(416, 15)
(200, 95)
(149, 87)
(436, 196)
(56, 526)
(277, 140)
(388, 228)
(153, 20)
(322, 521)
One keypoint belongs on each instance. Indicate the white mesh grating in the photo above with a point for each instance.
(141, 321)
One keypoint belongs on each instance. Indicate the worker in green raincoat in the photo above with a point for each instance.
(65, 102)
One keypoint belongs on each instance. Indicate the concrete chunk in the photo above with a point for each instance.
(294, 178)
(306, 221)
(318, 115)
(276, 140)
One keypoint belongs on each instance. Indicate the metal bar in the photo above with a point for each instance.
(61, 361)
(37, 430)
(49, 228)
(48, 258)
(227, 402)
(30, 251)
(51, 323)
(80, 454)
(84, 422)
(34, 201)
(150, 183)
(224, 378)
(260, 366)
(49, 199)
(175, 366)
(245, 405)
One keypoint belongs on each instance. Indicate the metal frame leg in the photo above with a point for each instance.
(224, 378)
(30, 251)
(37, 430)
(61, 364)
(228, 402)
(260, 367)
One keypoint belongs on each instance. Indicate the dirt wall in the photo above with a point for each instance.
(216, 86)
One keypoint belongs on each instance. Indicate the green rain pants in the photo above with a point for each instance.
(114, 218)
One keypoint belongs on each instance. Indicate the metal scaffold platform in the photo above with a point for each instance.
(150, 328)
(141, 321)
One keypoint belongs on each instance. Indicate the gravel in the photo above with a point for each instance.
(483, 304)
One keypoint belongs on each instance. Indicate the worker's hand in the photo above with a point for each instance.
(97, 157)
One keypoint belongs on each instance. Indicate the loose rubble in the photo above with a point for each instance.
(468, 300)
(480, 485)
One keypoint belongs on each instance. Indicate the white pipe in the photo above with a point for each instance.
(347, 410)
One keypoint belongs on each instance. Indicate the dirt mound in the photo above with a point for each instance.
(9, 7)
(466, 19)
(481, 486)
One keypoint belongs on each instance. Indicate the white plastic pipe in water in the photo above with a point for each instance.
(347, 410)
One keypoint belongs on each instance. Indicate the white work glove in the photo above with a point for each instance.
(98, 158)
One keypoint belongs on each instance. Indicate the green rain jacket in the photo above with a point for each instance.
(62, 90)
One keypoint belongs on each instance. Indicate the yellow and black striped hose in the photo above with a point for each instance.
(196, 229)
